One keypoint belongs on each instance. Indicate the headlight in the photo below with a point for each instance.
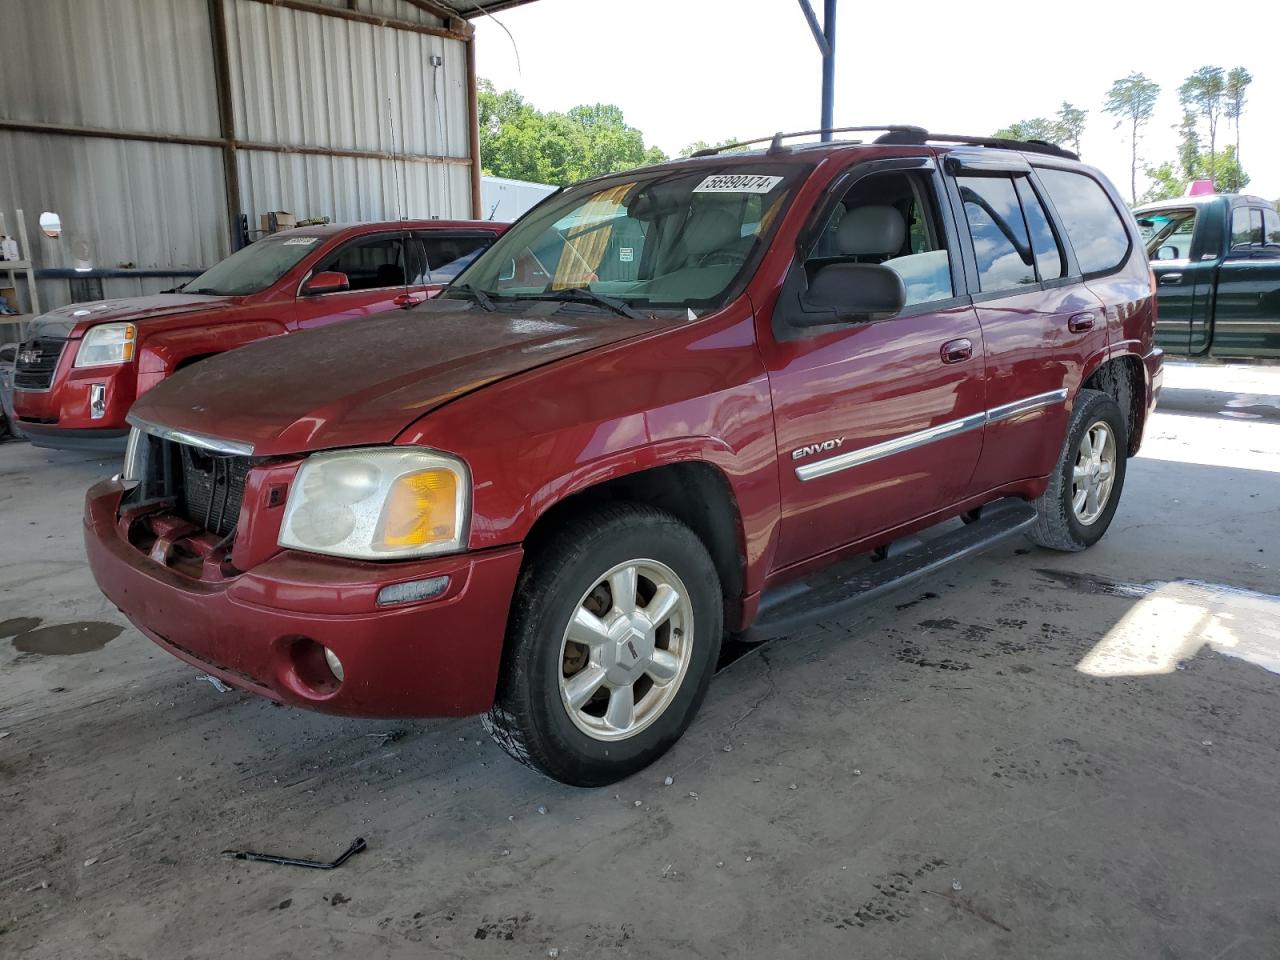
(107, 343)
(378, 504)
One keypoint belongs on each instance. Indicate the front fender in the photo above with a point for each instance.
(160, 354)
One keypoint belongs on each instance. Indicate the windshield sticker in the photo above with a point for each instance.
(737, 183)
(626, 254)
(301, 241)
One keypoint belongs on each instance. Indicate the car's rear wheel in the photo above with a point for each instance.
(614, 634)
(1083, 493)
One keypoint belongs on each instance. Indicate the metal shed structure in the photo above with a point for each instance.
(152, 127)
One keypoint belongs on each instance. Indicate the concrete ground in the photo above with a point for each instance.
(1037, 755)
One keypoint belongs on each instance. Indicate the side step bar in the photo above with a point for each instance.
(841, 589)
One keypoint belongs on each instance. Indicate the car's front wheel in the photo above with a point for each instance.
(613, 638)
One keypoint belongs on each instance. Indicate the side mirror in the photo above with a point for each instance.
(327, 281)
(851, 293)
(1167, 252)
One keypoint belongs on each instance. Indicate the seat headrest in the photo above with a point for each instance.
(709, 229)
(871, 231)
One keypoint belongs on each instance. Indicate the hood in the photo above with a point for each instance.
(64, 320)
(363, 382)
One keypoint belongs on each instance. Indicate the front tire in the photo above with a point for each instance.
(612, 642)
(1076, 507)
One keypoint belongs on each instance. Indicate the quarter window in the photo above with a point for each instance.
(1001, 244)
(1271, 227)
(1094, 227)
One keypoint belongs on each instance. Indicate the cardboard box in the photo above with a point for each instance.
(284, 220)
(10, 296)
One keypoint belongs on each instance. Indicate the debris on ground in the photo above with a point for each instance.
(214, 682)
(357, 845)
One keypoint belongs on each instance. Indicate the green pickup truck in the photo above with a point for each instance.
(1216, 260)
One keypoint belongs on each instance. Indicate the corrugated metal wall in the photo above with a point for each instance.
(298, 79)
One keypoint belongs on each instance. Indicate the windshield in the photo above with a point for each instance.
(662, 238)
(253, 268)
(1167, 234)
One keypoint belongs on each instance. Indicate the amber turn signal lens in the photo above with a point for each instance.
(422, 508)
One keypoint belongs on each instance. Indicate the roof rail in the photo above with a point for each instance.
(899, 134)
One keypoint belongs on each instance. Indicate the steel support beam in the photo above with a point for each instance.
(824, 36)
(342, 13)
(226, 118)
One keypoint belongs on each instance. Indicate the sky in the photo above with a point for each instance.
(687, 70)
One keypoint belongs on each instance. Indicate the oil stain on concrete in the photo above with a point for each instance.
(62, 639)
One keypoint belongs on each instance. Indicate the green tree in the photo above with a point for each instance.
(1202, 95)
(1132, 100)
(1237, 86)
(1037, 128)
(1071, 120)
(1170, 180)
(692, 148)
(519, 141)
(1188, 144)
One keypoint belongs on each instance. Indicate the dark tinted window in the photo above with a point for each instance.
(1271, 226)
(1246, 227)
(447, 256)
(371, 264)
(1094, 227)
(1043, 241)
(1000, 241)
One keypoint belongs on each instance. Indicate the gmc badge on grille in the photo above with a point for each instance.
(29, 356)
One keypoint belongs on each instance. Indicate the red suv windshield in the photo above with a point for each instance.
(661, 237)
(253, 268)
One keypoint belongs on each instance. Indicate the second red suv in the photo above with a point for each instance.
(737, 392)
(82, 366)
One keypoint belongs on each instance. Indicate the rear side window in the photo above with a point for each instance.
(1271, 226)
(447, 256)
(1094, 227)
(1044, 243)
(1000, 241)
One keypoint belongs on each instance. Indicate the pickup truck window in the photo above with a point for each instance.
(1094, 227)
(1246, 227)
(679, 237)
(1271, 227)
(1000, 240)
(1168, 234)
(253, 268)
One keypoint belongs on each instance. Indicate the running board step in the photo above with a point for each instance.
(845, 587)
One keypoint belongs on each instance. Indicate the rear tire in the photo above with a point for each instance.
(612, 642)
(1084, 490)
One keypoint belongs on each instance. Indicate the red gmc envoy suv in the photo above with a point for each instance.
(737, 392)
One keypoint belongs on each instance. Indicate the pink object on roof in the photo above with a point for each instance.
(1200, 188)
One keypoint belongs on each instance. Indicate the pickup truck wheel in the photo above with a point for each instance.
(1077, 506)
(613, 638)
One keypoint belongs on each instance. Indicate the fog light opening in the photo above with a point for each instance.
(412, 590)
(335, 665)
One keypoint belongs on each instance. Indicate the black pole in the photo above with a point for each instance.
(829, 68)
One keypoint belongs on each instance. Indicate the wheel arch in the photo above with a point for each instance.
(1123, 378)
(696, 492)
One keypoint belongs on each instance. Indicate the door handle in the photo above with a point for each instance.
(957, 351)
(1170, 278)
(407, 300)
(1081, 322)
